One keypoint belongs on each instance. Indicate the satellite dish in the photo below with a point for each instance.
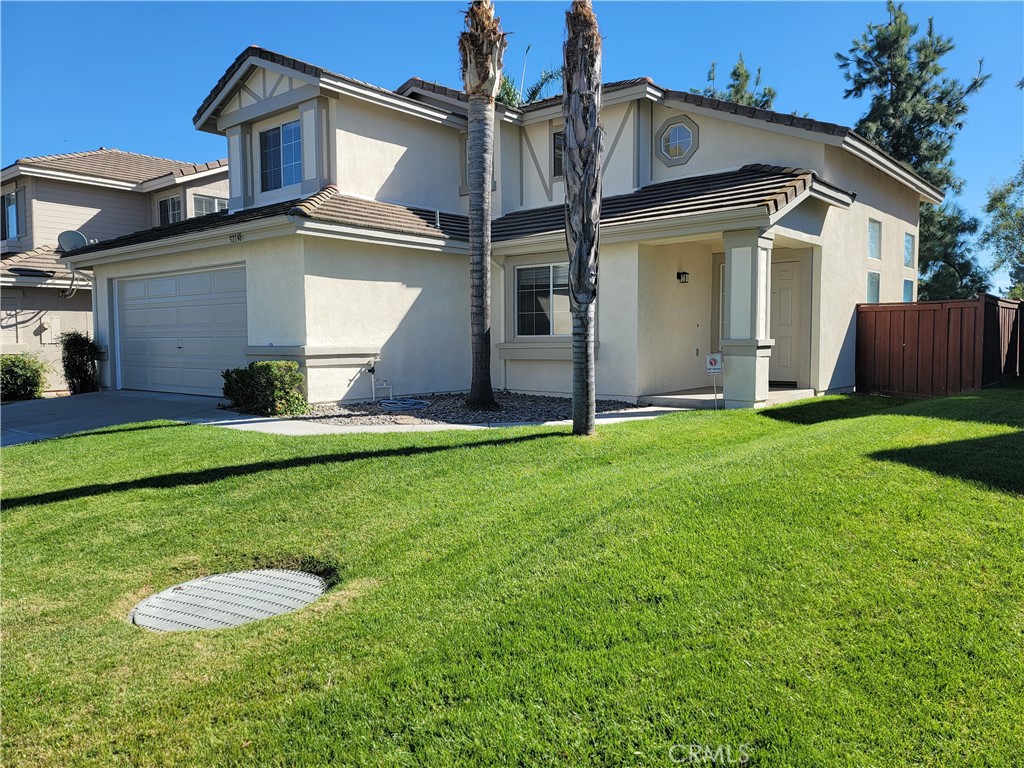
(71, 240)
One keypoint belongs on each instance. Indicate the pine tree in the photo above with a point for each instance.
(915, 113)
(1004, 233)
(739, 89)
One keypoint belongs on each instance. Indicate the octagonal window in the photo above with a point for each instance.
(677, 140)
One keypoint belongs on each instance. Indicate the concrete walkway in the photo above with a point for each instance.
(32, 420)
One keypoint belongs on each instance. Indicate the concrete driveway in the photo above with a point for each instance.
(32, 420)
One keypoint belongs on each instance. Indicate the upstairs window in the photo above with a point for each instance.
(206, 205)
(10, 220)
(908, 251)
(557, 153)
(676, 140)
(170, 210)
(542, 301)
(280, 157)
(874, 239)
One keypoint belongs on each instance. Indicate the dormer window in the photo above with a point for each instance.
(280, 157)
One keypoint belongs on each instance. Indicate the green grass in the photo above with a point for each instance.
(831, 583)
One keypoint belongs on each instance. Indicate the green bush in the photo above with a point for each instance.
(78, 355)
(22, 377)
(266, 388)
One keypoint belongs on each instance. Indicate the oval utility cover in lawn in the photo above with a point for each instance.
(227, 600)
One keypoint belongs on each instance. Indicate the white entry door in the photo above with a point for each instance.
(786, 321)
(176, 333)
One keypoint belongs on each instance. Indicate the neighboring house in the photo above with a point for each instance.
(724, 228)
(102, 194)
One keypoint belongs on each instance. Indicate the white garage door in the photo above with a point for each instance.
(176, 333)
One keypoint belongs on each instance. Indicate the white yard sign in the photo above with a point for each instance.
(714, 365)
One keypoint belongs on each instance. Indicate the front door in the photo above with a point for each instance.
(786, 321)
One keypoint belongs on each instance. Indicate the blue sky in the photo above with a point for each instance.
(80, 75)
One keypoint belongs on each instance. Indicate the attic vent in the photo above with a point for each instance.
(228, 600)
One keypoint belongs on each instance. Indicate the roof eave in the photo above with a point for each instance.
(863, 149)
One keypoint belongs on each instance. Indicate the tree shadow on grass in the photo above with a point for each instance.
(832, 408)
(215, 474)
(996, 462)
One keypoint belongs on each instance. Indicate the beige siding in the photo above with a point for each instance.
(96, 212)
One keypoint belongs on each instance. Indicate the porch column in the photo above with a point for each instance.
(746, 347)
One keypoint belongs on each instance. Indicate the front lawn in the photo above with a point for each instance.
(831, 583)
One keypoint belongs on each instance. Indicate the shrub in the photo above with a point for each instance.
(78, 355)
(22, 377)
(266, 388)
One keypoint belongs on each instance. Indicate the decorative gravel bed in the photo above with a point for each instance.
(452, 409)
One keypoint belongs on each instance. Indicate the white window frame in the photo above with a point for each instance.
(557, 158)
(877, 256)
(219, 204)
(278, 181)
(170, 213)
(867, 291)
(550, 266)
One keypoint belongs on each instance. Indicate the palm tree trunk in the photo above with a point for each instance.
(581, 107)
(480, 164)
(481, 48)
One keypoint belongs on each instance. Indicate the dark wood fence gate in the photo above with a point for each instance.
(938, 347)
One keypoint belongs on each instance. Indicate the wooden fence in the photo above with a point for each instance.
(938, 347)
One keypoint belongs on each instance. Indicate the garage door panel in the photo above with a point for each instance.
(157, 287)
(229, 314)
(197, 314)
(232, 281)
(163, 316)
(198, 284)
(180, 339)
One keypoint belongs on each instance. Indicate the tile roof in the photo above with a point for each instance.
(114, 164)
(331, 206)
(752, 186)
(41, 263)
(302, 67)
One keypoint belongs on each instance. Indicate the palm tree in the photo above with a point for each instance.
(581, 107)
(481, 47)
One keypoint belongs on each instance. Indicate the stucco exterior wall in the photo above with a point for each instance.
(675, 320)
(398, 158)
(724, 145)
(32, 319)
(844, 267)
(543, 365)
(411, 305)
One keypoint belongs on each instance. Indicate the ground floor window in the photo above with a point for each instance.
(874, 280)
(542, 301)
(908, 290)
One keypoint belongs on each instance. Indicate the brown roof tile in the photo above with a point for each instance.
(42, 263)
(385, 217)
(753, 186)
(112, 164)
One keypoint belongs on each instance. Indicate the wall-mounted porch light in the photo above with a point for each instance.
(683, 277)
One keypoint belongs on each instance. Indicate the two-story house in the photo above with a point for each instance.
(724, 228)
(102, 194)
